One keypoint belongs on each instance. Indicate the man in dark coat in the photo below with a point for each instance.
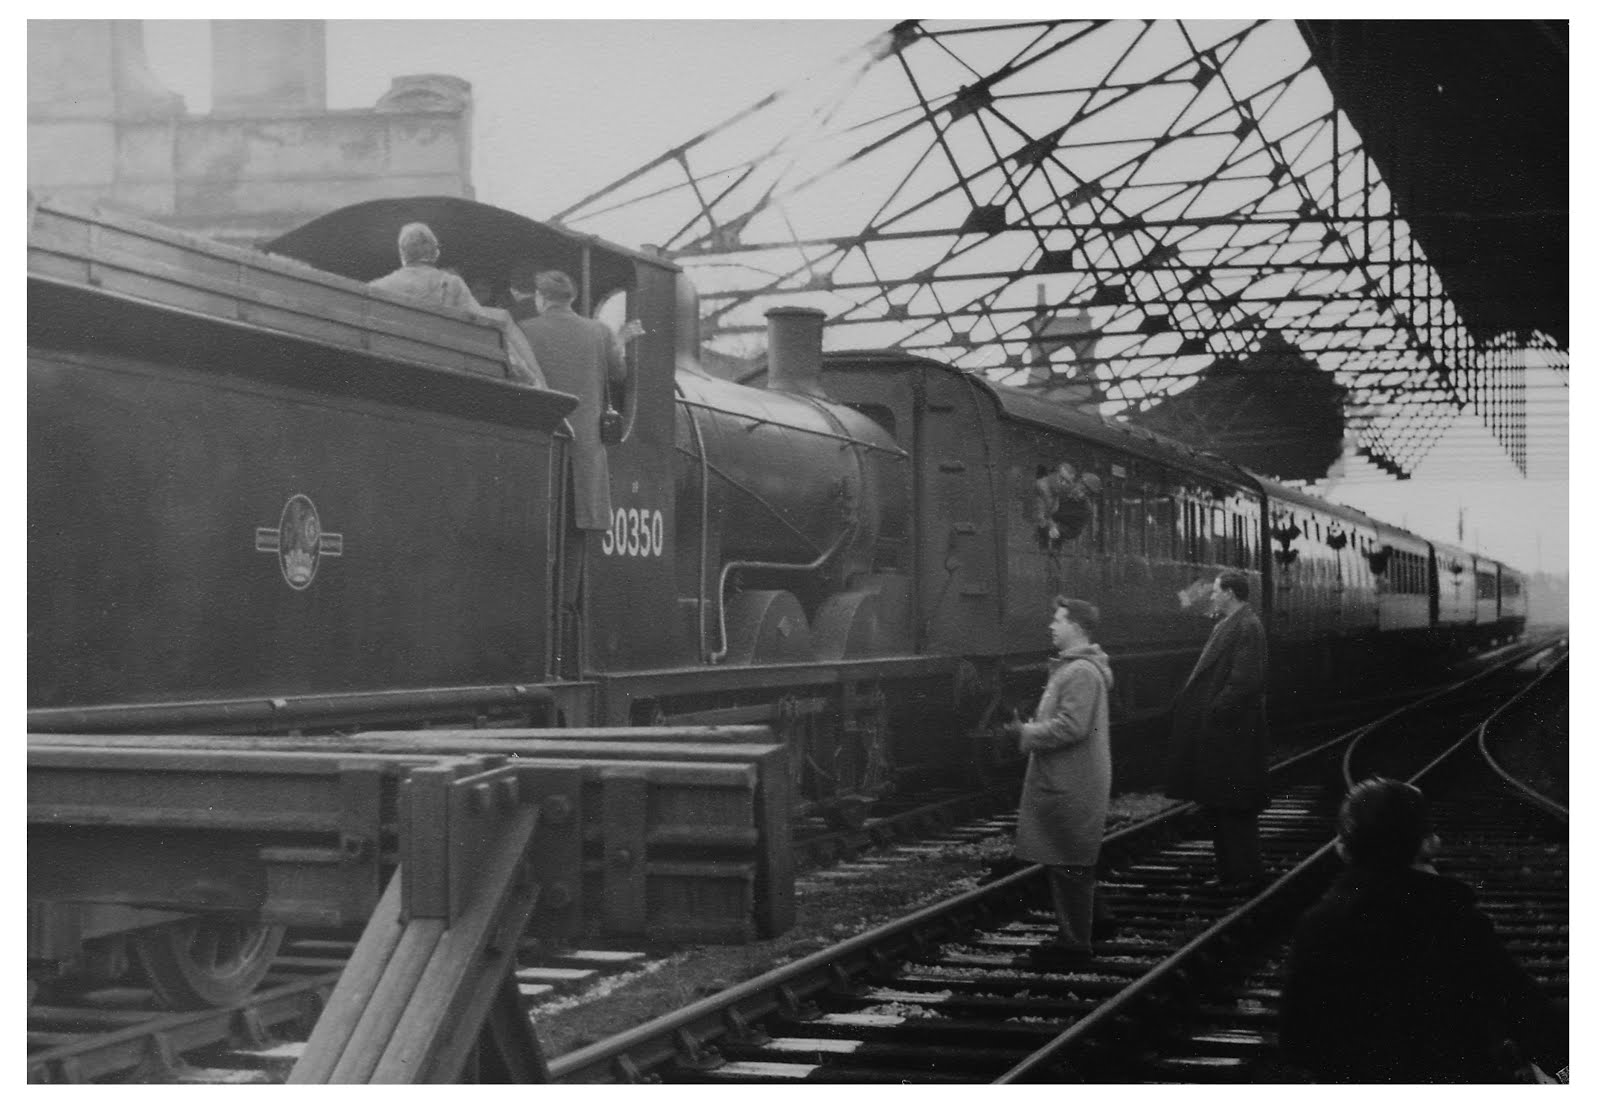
(1396, 976)
(1219, 734)
(583, 358)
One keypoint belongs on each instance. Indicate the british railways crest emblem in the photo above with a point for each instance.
(299, 541)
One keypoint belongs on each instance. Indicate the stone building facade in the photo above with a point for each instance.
(269, 157)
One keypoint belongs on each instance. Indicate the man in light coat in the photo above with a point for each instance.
(1062, 815)
(419, 275)
(1219, 735)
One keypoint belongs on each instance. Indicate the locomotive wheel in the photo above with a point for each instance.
(207, 963)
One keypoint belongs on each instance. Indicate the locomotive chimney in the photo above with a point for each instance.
(794, 350)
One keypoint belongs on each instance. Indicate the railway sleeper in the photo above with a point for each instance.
(956, 1005)
(1021, 1035)
(822, 1073)
(910, 1057)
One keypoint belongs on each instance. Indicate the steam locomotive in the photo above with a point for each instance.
(263, 497)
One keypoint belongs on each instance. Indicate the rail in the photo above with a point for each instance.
(686, 1043)
(1520, 787)
(1298, 881)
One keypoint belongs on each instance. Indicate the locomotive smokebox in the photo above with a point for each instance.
(794, 350)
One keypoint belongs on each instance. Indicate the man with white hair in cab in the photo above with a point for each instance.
(420, 277)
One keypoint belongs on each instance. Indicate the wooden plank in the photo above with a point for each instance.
(448, 1002)
(624, 812)
(425, 820)
(705, 735)
(351, 995)
(775, 904)
(418, 941)
(133, 259)
(514, 1051)
(273, 755)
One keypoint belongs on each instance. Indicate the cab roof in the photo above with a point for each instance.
(359, 241)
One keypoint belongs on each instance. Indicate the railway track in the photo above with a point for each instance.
(951, 994)
(962, 966)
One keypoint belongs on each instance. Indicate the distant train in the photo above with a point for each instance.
(263, 497)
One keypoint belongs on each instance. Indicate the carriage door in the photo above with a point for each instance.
(956, 561)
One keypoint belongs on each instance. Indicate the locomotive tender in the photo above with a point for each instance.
(264, 498)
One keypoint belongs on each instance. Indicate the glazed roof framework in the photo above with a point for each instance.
(961, 190)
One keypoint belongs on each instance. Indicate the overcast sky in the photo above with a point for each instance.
(562, 108)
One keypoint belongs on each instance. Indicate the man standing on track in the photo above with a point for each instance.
(1065, 793)
(1219, 735)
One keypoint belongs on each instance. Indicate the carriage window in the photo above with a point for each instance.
(1135, 520)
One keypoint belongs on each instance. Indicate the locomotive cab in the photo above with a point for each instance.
(625, 571)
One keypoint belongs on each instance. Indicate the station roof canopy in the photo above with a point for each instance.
(1116, 205)
(1468, 122)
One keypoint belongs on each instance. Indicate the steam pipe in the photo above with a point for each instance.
(845, 536)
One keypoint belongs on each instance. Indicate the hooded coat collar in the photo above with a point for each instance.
(1091, 653)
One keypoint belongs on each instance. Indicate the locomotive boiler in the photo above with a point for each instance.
(788, 504)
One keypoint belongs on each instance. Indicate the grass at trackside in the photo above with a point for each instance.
(829, 912)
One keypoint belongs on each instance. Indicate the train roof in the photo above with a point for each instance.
(1027, 407)
(1279, 491)
(358, 241)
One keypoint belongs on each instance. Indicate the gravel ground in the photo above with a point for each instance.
(833, 906)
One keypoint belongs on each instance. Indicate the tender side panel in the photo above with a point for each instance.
(170, 550)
